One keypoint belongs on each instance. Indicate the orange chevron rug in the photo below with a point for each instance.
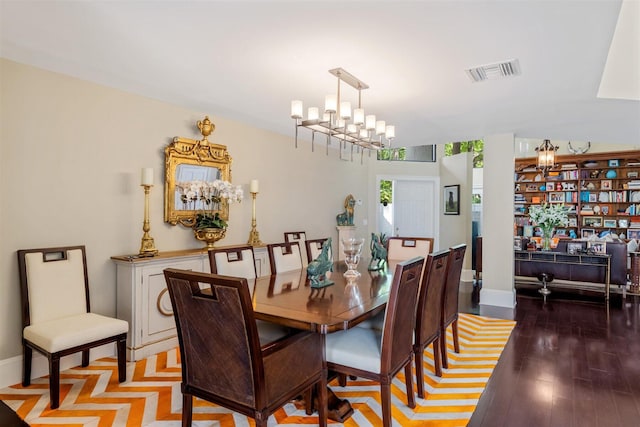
(92, 396)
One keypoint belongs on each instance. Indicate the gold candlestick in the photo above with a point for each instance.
(147, 246)
(254, 236)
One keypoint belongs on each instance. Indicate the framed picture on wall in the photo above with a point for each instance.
(452, 200)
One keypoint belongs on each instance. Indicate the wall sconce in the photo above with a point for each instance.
(546, 156)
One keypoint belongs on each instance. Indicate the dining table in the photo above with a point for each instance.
(288, 299)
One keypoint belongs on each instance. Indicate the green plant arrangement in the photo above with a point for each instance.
(548, 216)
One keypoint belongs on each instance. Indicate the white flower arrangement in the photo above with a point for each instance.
(547, 216)
(206, 197)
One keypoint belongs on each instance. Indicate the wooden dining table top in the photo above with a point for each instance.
(288, 298)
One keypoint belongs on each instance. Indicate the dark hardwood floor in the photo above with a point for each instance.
(570, 361)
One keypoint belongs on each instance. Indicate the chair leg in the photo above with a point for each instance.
(187, 408)
(437, 362)
(454, 328)
(308, 401)
(121, 348)
(26, 365)
(54, 381)
(443, 347)
(323, 397)
(342, 380)
(85, 358)
(385, 398)
(408, 379)
(417, 355)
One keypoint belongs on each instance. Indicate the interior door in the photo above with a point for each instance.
(415, 208)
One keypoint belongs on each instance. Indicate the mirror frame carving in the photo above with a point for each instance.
(186, 151)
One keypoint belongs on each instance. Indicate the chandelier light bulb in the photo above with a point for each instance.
(352, 128)
(358, 116)
(391, 132)
(313, 113)
(330, 103)
(296, 109)
(340, 123)
(381, 127)
(370, 122)
(326, 117)
(364, 134)
(345, 110)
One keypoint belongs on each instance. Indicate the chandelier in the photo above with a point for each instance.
(546, 156)
(341, 122)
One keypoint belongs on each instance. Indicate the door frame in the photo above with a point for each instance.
(436, 205)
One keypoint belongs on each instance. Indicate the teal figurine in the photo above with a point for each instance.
(318, 268)
(378, 252)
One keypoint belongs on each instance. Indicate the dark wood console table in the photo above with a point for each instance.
(583, 271)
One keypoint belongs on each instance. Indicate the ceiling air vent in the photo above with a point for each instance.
(494, 71)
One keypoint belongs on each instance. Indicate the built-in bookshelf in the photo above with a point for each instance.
(602, 192)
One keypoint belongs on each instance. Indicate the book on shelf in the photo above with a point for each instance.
(568, 166)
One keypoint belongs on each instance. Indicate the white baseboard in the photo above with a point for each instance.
(11, 369)
(498, 298)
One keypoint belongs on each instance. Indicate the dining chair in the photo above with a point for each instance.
(314, 248)
(450, 300)
(238, 261)
(56, 315)
(301, 238)
(380, 355)
(221, 356)
(402, 248)
(284, 257)
(429, 314)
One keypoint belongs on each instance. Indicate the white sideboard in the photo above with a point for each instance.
(142, 298)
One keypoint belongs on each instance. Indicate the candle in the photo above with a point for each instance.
(146, 176)
(254, 186)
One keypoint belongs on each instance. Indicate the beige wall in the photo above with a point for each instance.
(71, 154)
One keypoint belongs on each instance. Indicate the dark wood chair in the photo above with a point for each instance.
(380, 355)
(301, 238)
(403, 248)
(314, 247)
(221, 356)
(429, 314)
(284, 257)
(56, 315)
(238, 261)
(450, 300)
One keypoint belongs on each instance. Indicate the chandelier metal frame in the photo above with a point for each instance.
(362, 132)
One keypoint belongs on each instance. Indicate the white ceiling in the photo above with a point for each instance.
(247, 60)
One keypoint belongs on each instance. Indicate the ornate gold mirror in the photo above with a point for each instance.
(188, 161)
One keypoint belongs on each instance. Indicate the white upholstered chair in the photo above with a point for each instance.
(284, 257)
(380, 355)
(314, 248)
(403, 248)
(301, 238)
(56, 315)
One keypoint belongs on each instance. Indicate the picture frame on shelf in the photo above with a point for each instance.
(556, 197)
(573, 221)
(592, 221)
(575, 247)
(614, 163)
(452, 199)
(527, 231)
(633, 174)
(593, 197)
(633, 234)
(597, 247)
(606, 184)
(561, 232)
(623, 223)
(517, 243)
(609, 223)
(585, 233)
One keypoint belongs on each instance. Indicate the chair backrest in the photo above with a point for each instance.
(238, 261)
(452, 287)
(402, 248)
(301, 238)
(400, 315)
(53, 283)
(214, 319)
(429, 311)
(284, 257)
(314, 248)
